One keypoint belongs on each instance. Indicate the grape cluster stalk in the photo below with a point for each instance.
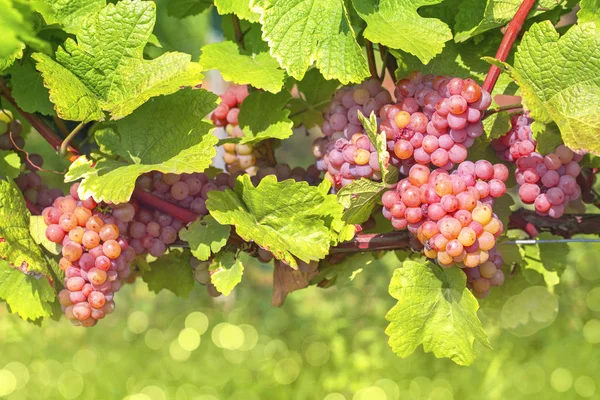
(96, 257)
(345, 152)
(546, 181)
(434, 121)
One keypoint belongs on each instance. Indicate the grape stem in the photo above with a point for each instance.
(390, 62)
(512, 30)
(508, 107)
(239, 35)
(270, 152)
(164, 206)
(65, 144)
(371, 59)
(37, 123)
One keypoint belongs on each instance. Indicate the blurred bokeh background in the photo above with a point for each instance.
(322, 344)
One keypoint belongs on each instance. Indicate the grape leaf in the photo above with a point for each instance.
(259, 70)
(205, 237)
(28, 89)
(37, 228)
(434, 309)
(300, 32)
(316, 92)
(286, 218)
(560, 81)
(10, 164)
(263, 115)
(241, 8)
(345, 271)
(496, 125)
(17, 246)
(6, 62)
(397, 25)
(186, 8)
(548, 260)
(171, 272)
(105, 70)
(226, 272)
(70, 14)
(589, 11)
(29, 296)
(359, 199)
(166, 134)
(16, 30)
(476, 16)
(379, 141)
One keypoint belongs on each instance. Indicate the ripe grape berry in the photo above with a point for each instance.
(481, 278)
(450, 213)
(95, 255)
(434, 121)
(548, 182)
(345, 152)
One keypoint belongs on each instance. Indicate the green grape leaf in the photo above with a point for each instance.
(29, 296)
(547, 136)
(434, 309)
(205, 237)
(28, 89)
(345, 271)
(16, 30)
(171, 272)
(17, 246)
(359, 199)
(549, 260)
(561, 85)
(286, 218)
(397, 25)
(259, 70)
(37, 228)
(476, 16)
(589, 11)
(241, 8)
(70, 14)
(496, 125)
(263, 115)
(10, 164)
(186, 8)
(166, 134)
(315, 95)
(105, 70)
(380, 143)
(226, 272)
(321, 32)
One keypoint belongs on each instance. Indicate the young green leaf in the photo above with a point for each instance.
(186, 8)
(226, 272)
(345, 271)
(359, 199)
(105, 69)
(205, 237)
(69, 14)
(434, 309)
(17, 246)
(16, 30)
(37, 228)
(322, 32)
(397, 25)
(589, 11)
(287, 218)
(29, 296)
(380, 143)
(559, 85)
(241, 8)
(476, 16)
(10, 164)
(259, 70)
(263, 115)
(28, 89)
(171, 272)
(166, 134)
(316, 93)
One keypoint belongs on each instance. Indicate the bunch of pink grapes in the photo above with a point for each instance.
(548, 182)
(95, 256)
(345, 152)
(451, 214)
(481, 278)
(434, 121)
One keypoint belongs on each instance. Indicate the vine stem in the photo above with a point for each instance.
(239, 35)
(390, 62)
(65, 144)
(508, 107)
(371, 59)
(37, 123)
(164, 206)
(512, 30)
